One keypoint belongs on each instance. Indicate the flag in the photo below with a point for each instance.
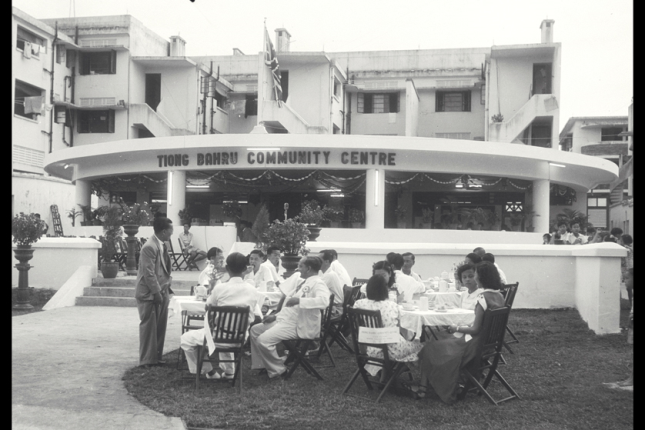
(271, 61)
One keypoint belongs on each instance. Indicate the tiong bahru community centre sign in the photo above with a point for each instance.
(285, 158)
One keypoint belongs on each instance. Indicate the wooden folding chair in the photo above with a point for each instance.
(192, 264)
(298, 348)
(509, 291)
(358, 282)
(176, 258)
(489, 353)
(229, 329)
(338, 329)
(325, 328)
(121, 255)
(392, 369)
(187, 323)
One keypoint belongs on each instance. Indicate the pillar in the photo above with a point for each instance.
(176, 195)
(541, 193)
(83, 193)
(374, 199)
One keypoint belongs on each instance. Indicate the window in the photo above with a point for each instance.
(378, 103)
(37, 43)
(453, 101)
(336, 88)
(60, 54)
(220, 100)
(251, 106)
(96, 121)
(608, 134)
(26, 102)
(98, 63)
(70, 60)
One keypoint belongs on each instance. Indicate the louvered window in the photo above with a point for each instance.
(96, 121)
(98, 63)
(453, 101)
(378, 102)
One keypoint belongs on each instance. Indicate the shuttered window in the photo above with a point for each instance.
(453, 101)
(96, 121)
(98, 63)
(378, 102)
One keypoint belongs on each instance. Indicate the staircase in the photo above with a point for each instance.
(539, 105)
(120, 291)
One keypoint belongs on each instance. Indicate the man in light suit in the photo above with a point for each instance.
(299, 318)
(152, 291)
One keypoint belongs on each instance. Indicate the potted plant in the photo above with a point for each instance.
(312, 215)
(356, 217)
(25, 229)
(232, 210)
(497, 118)
(73, 214)
(87, 214)
(426, 217)
(333, 215)
(185, 215)
(132, 217)
(401, 212)
(291, 236)
(111, 219)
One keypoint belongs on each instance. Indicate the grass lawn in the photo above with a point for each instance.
(39, 297)
(557, 369)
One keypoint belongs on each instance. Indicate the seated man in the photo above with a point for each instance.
(272, 263)
(299, 318)
(258, 273)
(215, 272)
(408, 262)
(235, 292)
(340, 269)
(191, 252)
(331, 279)
(405, 284)
(577, 238)
(491, 259)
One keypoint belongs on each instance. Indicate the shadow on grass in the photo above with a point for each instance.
(558, 369)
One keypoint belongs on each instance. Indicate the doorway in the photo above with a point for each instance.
(542, 78)
(153, 90)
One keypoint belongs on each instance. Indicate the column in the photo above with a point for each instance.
(176, 196)
(374, 199)
(83, 193)
(541, 193)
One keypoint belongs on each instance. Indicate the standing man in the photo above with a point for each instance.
(151, 292)
(299, 318)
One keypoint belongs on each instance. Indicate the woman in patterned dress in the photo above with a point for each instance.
(377, 300)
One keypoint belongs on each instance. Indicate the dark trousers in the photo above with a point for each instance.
(152, 329)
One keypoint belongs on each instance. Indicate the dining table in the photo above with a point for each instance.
(414, 320)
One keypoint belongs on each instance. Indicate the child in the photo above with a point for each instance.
(546, 239)
(466, 274)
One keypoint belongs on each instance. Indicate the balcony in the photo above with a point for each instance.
(605, 148)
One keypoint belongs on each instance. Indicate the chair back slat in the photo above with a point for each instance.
(365, 318)
(510, 291)
(326, 317)
(181, 244)
(229, 324)
(494, 328)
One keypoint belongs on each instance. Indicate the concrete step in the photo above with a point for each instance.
(131, 281)
(124, 291)
(106, 301)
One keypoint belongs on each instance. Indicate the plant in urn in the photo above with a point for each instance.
(25, 229)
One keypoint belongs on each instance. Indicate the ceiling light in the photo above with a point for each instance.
(331, 190)
(65, 166)
(459, 185)
(197, 186)
(337, 195)
(557, 165)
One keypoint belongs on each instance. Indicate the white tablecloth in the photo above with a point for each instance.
(447, 298)
(185, 303)
(415, 320)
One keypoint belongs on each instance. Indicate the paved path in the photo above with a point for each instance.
(66, 369)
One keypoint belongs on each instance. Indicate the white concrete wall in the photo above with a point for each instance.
(392, 124)
(584, 136)
(550, 276)
(56, 260)
(432, 122)
(622, 215)
(309, 93)
(421, 236)
(180, 96)
(35, 194)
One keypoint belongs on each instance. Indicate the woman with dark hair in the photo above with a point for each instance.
(441, 360)
(473, 258)
(377, 300)
(385, 270)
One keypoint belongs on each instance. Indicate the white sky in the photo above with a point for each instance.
(596, 35)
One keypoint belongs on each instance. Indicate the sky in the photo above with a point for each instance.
(596, 35)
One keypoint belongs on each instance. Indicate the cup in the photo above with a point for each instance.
(423, 304)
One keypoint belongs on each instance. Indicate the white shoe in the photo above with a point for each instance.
(218, 375)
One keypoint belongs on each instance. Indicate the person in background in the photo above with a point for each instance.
(546, 239)
(46, 227)
(473, 258)
(442, 360)
(406, 285)
(600, 235)
(272, 263)
(479, 251)
(610, 238)
(627, 263)
(340, 270)
(333, 282)
(383, 268)
(191, 252)
(259, 274)
(616, 233)
(466, 274)
(235, 292)
(408, 262)
(214, 271)
(561, 235)
(491, 259)
(577, 238)
(627, 384)
(299, 318)
(377, 300)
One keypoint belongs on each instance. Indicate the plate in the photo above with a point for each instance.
(441, 310)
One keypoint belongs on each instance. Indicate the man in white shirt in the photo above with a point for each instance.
(333, 282)
(340, 269)
(405, 284)
(299, 318)
(408, 262)
(260, 275)
(562, 233)
(191, 252)
(235, 292)
(577, 238)
(273, 263)
(215, 264)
